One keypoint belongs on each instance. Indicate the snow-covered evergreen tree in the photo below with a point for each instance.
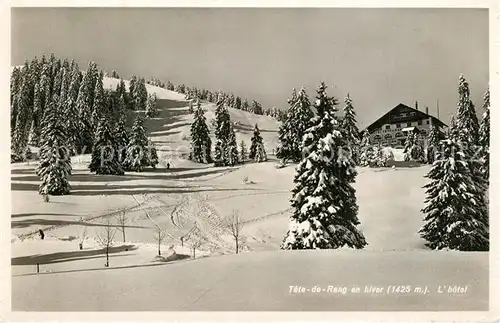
(151, 109)
(243, 152)
(34, 135)
(256, 142)
(99, 103)
(324, 201)
(260, 153)
(201, 144)
(434, 138)
(245, 106)
(456, 213)
(84, 105)
(466, 118)
(132, 92)
(55, 162)
(232, 147)
(351, 131)
(237, 103)
(366, 150)
(122, 138)
(413, 150)
(152, 155)
(256, 107)
(293, 128)
(24, 117)
(222, 132)
(484, 138)
(71, 109)
(137, 158)
(140, 95)
(105, 157)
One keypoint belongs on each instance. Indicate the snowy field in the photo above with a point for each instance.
(257, 279)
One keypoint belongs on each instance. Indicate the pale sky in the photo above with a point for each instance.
(380, 56)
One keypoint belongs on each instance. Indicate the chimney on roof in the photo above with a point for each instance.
(416, 105)
(427, 110)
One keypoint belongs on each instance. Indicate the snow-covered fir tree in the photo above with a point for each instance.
(324, 201)
(222, 132)
(466, 131)
(99, 103)
(351, 131)
(433, 139)
(141, 95)
(132, 91)
(137, 157)
(201, 144)
(71, 109)
(122, 138)
(24, 111)
(151, 109)
(366, 156)
(232, 147)
(34, 134)
(256, 107)
(152, 154)
(413, 150)
(105, 157)
(243, 152)
(84, 105)
(245, 106)
(260, 153)
(466, 119)
(484, 138)
(237, 103)
(55, 162)
(293, 128)
(256, 142)
(456, 213)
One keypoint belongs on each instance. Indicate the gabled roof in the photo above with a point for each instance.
(419, 115)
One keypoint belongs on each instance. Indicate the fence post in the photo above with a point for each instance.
(37, 268)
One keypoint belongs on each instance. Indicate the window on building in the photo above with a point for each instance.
(408, 124)
(398, 125)
(377, 137)
(388, 127)
(419, 122)
(399, 135)
(426, 121)
(388, 136)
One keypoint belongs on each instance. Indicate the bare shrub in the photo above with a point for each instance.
(105, 237)
(233, 224)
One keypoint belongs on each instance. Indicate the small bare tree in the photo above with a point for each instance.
(196, 239)
(233, 224)
(105, 237)
(160, 236)
(82, 235)
(122, 222)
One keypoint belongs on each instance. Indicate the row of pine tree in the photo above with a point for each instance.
(65, 111)
(226, 148)
(327, 148)
(231, 101)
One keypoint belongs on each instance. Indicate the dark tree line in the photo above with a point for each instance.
(65, 111)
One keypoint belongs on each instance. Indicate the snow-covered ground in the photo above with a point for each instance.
(389, 210)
